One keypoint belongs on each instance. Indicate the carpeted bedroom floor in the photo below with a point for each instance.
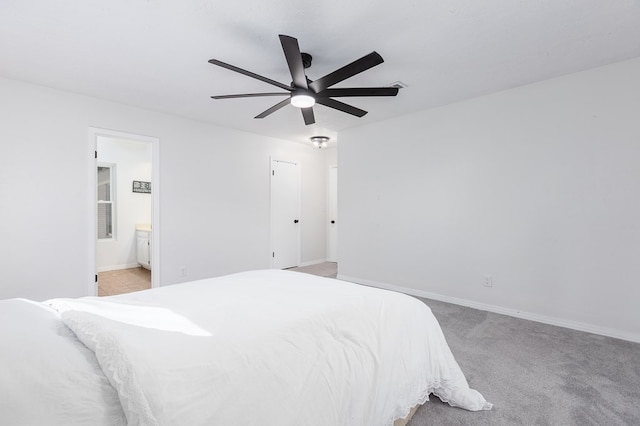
(536, 374)
(325, 269)
(533, 373)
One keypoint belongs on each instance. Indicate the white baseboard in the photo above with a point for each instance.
(560, 322)
(312, 262)
(118, 267)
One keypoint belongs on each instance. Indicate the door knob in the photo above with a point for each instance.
(333, 221)
(295, 221)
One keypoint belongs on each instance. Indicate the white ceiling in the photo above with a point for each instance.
(154, 53)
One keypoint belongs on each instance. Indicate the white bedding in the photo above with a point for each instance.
(47, 377)
(268, 348)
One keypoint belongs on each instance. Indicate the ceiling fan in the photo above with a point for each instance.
(303, 92)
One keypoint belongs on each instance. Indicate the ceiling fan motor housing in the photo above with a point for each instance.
(306, 60)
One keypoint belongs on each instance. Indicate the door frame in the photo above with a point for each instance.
(271, 208)
(94, 133)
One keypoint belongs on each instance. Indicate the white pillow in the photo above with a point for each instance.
(47, 376)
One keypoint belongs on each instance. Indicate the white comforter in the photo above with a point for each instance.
(268, 348)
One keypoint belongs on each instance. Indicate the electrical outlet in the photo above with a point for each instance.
(183, 271)
(488, 280)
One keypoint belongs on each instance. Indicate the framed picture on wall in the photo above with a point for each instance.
(142, 187)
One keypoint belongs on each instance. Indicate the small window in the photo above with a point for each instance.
(106, 201)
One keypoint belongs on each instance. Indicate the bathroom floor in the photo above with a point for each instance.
(123, 281)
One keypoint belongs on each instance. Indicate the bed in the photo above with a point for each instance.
(254, 348)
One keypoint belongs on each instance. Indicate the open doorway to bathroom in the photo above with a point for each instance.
(125, 213)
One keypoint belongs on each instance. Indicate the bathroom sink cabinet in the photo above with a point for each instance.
(143, 239)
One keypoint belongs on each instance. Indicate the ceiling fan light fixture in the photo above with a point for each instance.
(303, 92)
(320, 141)
(302, 100)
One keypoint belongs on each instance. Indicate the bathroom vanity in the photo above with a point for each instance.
(143, 240)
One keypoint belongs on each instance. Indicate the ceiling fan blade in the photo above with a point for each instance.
(249, 74)
(294, 60)
(274, 108)
(249, 95)
(358, 91)
(341, 106)
(355, 67)
(307, 114)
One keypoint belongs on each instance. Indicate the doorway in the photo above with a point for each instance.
(285, 214)
(124, 212)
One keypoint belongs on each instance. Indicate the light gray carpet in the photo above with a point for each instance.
(534, 374)
(325, 269)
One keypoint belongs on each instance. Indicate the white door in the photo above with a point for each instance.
(332, 249)
(285, 214)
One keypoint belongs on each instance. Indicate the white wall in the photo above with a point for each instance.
(538, 186)
(214, 194)
(330, 156)
(132, 161)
